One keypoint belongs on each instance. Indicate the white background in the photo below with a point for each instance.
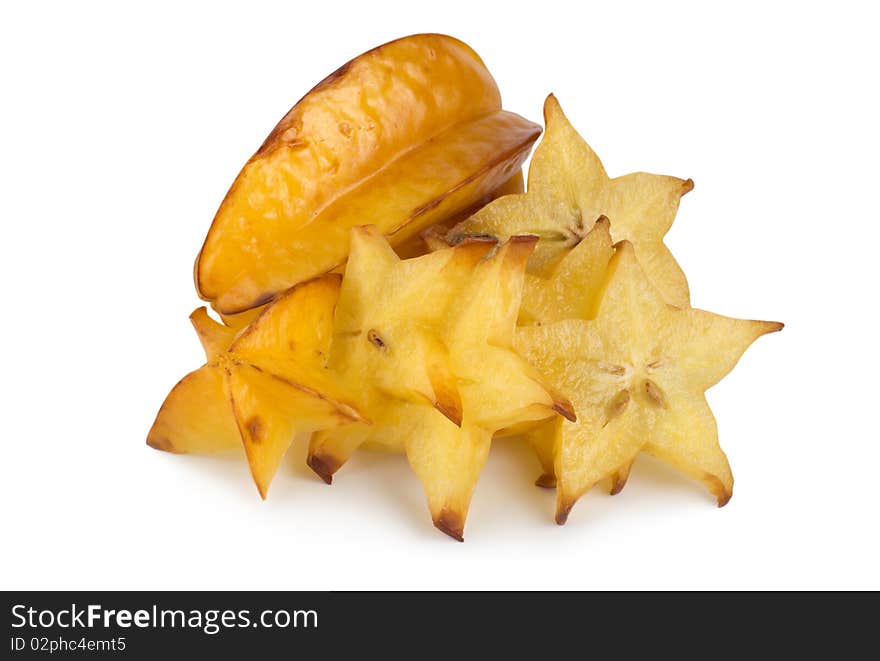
(122, 129)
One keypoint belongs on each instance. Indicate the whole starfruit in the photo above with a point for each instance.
(405, 136)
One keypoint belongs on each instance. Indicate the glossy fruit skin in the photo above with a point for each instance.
(402, 137)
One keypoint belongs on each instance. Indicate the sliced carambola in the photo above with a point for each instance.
(636, 375)
(267, 385)
(429, 341)
(568, 191)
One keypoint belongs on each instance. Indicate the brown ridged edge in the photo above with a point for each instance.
(324, 466)
(562, 512)
(546, 481)
(450, 523)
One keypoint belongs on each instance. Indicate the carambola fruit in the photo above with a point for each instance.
(260, 389)
(429, 342)
(636, 375)
(568, 191)
(404, 136)
(557, 313)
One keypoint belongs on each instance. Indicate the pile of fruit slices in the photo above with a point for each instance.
(383, 280)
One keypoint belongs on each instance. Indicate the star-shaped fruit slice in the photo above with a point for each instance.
(389, 316)
(456, 329)
(499, 389)
(637, 375)
(260, 387)
(568, 191)
(388, 322)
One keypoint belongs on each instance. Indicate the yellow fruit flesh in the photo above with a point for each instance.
(268, 385)
(445, 316)
(215, 337)
(568, 191)
(636, 376)
(572, 290)
(196, 417)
